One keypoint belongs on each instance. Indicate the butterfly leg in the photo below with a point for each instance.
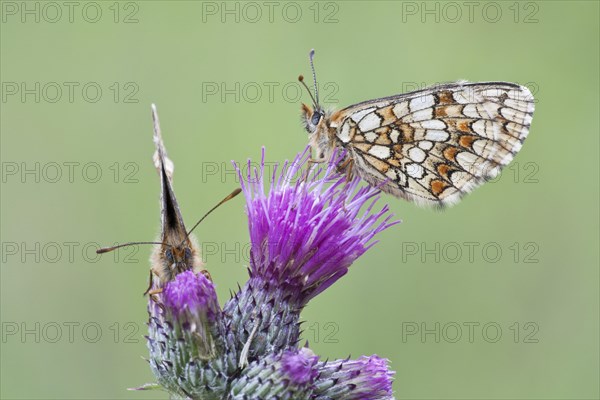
(316, 161)
(309, 166)
(149, 284)
(311, 162)
(155, 291)
(157, 301)
(347, 167)
(151, 292)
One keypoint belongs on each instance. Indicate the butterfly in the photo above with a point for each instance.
(430, 146)
(177, 250)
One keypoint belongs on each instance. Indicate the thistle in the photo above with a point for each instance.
(183, 337)
(305, 232)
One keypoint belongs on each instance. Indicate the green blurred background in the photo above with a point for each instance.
(223, 78)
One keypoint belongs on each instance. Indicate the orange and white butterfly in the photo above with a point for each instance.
(430, 146)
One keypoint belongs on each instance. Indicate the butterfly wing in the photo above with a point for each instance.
(434, 145)
(173, 230)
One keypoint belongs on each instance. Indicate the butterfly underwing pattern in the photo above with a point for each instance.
(430, 146)
(177, 251)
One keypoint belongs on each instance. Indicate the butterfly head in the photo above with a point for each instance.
(312, 116)
(170, 260)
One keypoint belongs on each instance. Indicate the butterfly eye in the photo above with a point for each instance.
(316, 117)
(169, 255)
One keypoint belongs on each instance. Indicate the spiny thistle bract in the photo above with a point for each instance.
(305, 232)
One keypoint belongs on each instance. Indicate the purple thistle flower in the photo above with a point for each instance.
(297, 374)
(300, 366)
(305, 234)
(191, 297)
(184, 341)
(192, 307)
(365, 378)
(288, 375)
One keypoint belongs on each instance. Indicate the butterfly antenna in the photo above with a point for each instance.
(108, 249)
(229, 197)
(312, 66)
(301, 80)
